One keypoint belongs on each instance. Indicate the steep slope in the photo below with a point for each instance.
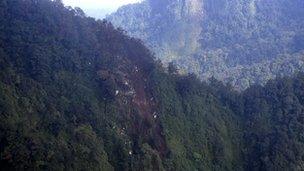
(274, 124)
(63, 91)
(77, 94)
(238, 42)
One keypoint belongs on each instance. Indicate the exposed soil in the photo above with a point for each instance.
(144, 102)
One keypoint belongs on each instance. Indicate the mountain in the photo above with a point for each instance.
(78, 94)
(239, 42)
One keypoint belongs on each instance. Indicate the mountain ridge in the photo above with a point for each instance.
(78, 94)
(219, 36)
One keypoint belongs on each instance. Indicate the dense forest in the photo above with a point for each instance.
(78, 94)
(240, 42)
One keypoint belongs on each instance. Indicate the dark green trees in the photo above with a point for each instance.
(76, 94)
(274, 126)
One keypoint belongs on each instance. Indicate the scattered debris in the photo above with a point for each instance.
(130, 93)
(120, 131)
(155, 116)
(136, 69)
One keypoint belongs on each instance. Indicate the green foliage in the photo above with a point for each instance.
(201, 133)
(57, 113)
(76, 94)
(240, 42)
(274, 127)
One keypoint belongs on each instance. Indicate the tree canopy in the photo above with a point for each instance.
(78, 94)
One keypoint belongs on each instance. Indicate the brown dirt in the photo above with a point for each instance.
(146, 108)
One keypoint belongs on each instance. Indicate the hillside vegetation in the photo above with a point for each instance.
(78, 94)
(240, 42)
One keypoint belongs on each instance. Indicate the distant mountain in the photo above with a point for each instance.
(78, 94)
(236, 41)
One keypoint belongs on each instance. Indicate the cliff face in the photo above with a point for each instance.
(229, 40)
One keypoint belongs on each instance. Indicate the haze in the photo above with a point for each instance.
(98, 8)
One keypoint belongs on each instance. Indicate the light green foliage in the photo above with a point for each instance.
(240, 42)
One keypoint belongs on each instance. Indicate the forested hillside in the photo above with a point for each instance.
(78, 94)
(241, 42)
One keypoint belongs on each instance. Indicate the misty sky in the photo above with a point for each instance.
(98, 8)
(98, 4)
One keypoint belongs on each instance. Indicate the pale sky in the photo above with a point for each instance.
(98, 8)
(98, 4)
